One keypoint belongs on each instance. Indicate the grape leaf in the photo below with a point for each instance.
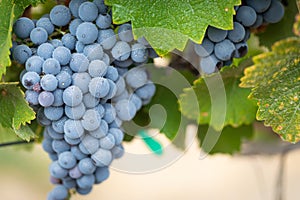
(221, 101)
(14, 109)
(10, 10)
(229, 141)
(275, 78)
(169, 24)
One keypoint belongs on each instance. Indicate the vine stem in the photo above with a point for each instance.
(15, 143)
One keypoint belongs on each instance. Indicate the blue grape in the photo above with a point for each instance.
(62, 54)
(121, 51)
(112, 73)
(41, 118)
(60, 146)
(79, 46)
(215, 34)
(90, 120)
(107, 38)
(73, 129)
(241, 50)
(75, 172)
(88, 11)
(117, 134)
(237, 34)
(112, 90)
(97, 68)
(38, 35)
(53, 156)
(209, 64)
(101, 174)
(125, 109)
(74, 24)
(87, 33)
(75, 112)
(53, 134)
(77, 153)
(147, 91)
(47, 145)
(22, 53)
(259, 6)
(34, 64)
(58, 99)
(103, 21)
(72, 96)
(72, 141)
(99, 87)
(83, 191)
(32, 97)
(90, 101)
(45, 50)
(69, 41)
(58, 125)
(101, 6)
(86, 166)
(46, 24)
(69, 183)
(275, 13)
(22, 27)
(101, 131)
(89, 144)
(139, 53)
(106, 59)
(246, 15)
(54, 180)
(123, 64)
(74, 6)
(125, 33)
(54, 113)
(81, 80)
(120, 84)
(60, 15)
(67, 160)
(86, 181)
(117, 151)
(64, 79)
(100, 109)
(49, 82)
(136, 101)
(51, 66)
(93, 52)
(67, 69)
(56, 43)
(57, 171)
(259, 21)
(79, 62)
(205, 48)
(46, 99)
(102, 158)
(107, 142)
(224, 50)
(30, 79)
(110, 113)
(136, 77)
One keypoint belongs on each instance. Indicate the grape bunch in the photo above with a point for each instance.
(219, 47)
(83, 80)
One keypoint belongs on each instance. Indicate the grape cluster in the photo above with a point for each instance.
(83, 81)
(219, 47)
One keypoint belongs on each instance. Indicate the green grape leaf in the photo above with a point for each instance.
(14, 109)
(282, 29)
(224, 90)
(10, 10)
(229, 141)
(169, 24)
(275, 79)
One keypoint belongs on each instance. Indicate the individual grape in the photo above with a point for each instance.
(67, 69)
(101, 174)
(22, 53)
(99, 87)
(72, 96)
(112, 73)
(275, 13)
(88, 11)
(147, 91)
(77, 153)
(72, 141)
(81, 80)
(101, 6)
(102, 158)
(30, 79)
(123, 95)
(97, 68)
(83, 191)
(46, 24)
(125, 33)
(58, 99)
(79, 62)
(45, 50)
(86, 166)
(107, 38)
(93, 52)
(90, 120)
(110, 112)
(136, 101)
(58, 125)
(56, 43)
(53, 156)
(41, 118)
(205, 48)
(62, 54)
(54, 113)
(75, 172)
(67, 160)
(57, 171)
(32, 97)
(121, 51)
(34, 64)
(74, 24)
(209, 64)
(124, 64)
(224, 50)
(60, 15)
(120, 84)
(100, 109)
(237, 34)
(241, 50)
(112, 90)
(117, 134)
(117, 151)
(139, 53)
(215, 34)
(74, 6)
(259, 6)
(64, 79)
(89, 145)
(107, 142)
(79, 46)
(136, 77)
(49, 82)
(22, 27)
(60, 146)
(69, 41)
(54, 180)
(47, 145)
(125, 110)
(38, 35)
(246, 16)
(106, 59)
(90, 101)
(53, 134)
(101, 131)
(86, 181)
(51, 66)
(69, 183)
(75, 112)
(103, 21)
(87, 33)
(73, 129)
